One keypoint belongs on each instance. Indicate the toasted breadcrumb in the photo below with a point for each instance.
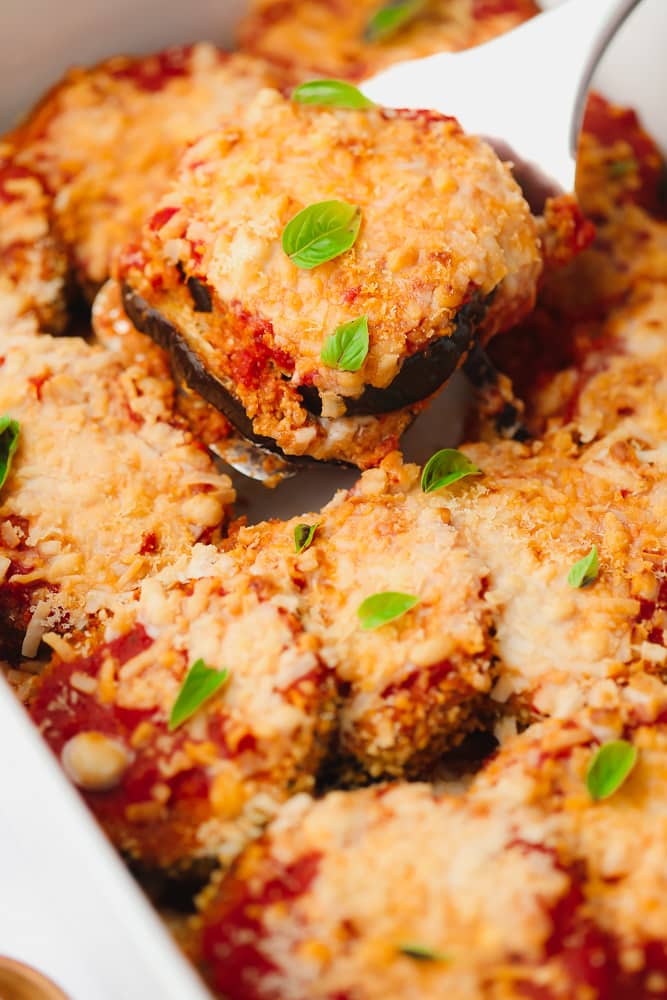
(107, 485)
(204, 789)
(105, 140)
(339, 890)
(464, 266)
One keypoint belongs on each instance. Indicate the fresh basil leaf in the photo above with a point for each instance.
(321, 232)
(621, 168)
(378, 609)
(9, 439)
(609, 768)
(347, 347)
(391, 18)
(586, 570)
(201, 682)
(303, 536)
(446, 467)
(331, 94)
(422, 953)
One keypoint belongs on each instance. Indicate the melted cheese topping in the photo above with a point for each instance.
(395, 866)
(441, 218)
(541, 777)
(583, 881)
(537, 511)
(413, 683)
(106, 486)
(260, 737)
(106, 139)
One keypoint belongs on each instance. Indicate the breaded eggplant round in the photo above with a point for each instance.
(168, 794)
(414, 685)
(524, 886)
(105, 140)
(446, 253)
(536, 513)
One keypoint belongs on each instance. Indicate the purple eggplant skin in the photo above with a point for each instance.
(421, 374)
(187, 365)
(201, 297)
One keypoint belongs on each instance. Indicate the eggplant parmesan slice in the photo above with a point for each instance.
(317, 38)
(105, 140)
(447, 254)
(168, 791)
(386, 892)
(539, 509)
(107, 485)
(414, 686)
(33, 263)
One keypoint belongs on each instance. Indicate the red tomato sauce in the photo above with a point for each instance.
(231, 952)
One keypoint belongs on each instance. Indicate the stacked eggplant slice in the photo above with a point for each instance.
(318, 273)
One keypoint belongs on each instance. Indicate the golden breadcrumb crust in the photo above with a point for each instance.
(106, 139)
(412, 687)
(107, 485)
(327, 904)
(204, 789)
(470, 238)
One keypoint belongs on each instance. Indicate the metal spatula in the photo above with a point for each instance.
(525, 91)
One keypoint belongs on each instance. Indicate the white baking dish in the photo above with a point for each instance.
(67, 904)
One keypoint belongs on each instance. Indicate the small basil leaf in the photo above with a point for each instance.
(621, 168)
(347, 347)
(331, 94)
(378, 609)
(303, 536)
(446, 467)
(201, 682)
(321, 232)
(609, 768)
(422, 953)
(391, 18)
(9, 439)
(586, 570)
